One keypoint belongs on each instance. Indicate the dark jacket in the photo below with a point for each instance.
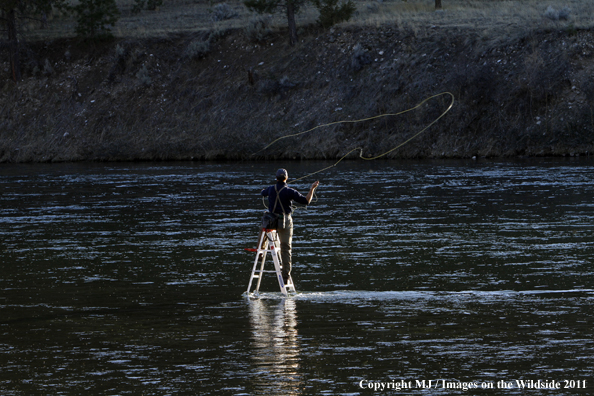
(286, 196)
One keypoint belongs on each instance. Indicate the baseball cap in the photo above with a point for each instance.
(282, 173)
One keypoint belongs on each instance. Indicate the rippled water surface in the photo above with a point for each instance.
(129, 279)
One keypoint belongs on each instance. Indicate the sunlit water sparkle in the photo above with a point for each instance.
(129, 279)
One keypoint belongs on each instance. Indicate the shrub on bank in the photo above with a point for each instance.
(222, 12)
(197, 49)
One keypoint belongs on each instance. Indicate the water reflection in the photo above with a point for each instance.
(275, 347)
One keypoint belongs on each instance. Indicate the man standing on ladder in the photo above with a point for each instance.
(280, 197)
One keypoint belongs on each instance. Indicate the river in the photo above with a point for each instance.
(413, 277)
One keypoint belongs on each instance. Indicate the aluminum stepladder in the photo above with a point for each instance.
(268, 242)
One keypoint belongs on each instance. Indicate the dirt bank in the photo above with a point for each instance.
(223, 96)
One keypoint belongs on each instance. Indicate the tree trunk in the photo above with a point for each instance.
(438, 4)
(13, 45)
(291, 21)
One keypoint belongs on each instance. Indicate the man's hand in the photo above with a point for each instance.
(311, 191)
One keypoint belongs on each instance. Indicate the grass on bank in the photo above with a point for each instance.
(493, 17)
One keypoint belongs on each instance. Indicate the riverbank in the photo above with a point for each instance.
(222, 95)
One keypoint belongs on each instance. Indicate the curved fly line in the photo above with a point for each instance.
(360, 149)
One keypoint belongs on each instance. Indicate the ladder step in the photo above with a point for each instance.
(260, 272)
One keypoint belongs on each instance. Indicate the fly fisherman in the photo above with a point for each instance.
(282, 207)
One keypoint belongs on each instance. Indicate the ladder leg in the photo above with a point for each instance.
(260, 256)
(289, 286)
(252, 276)
(275, 251)
(262, 261)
